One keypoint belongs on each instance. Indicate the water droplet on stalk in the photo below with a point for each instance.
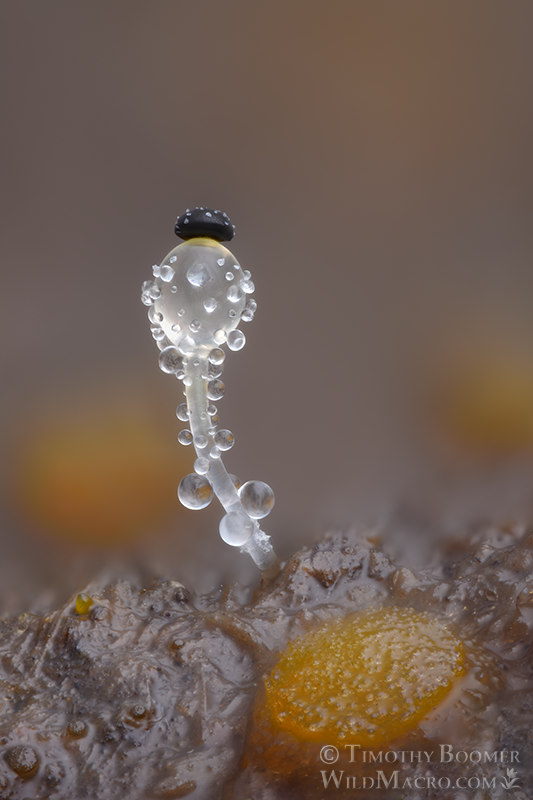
(212, 371)
(217, 356)
(185, 437)
(195, 491)
(182, 412)
(201, 466)
(215, 389)
(236, 340)
(257, 498)
(224, 439)
(235, 528)
(170, 360)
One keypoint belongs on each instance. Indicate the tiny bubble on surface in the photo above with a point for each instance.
(198, 275)
(210, 304)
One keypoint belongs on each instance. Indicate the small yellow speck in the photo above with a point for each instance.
(83, 603)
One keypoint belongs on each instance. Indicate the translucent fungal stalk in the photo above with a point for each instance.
(198, 296)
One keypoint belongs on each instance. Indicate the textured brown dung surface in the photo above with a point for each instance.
(150, 695)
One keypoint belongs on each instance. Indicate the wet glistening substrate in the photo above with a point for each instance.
(156, 691)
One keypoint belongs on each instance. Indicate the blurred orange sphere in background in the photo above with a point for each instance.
(487, 402)
(99, 473)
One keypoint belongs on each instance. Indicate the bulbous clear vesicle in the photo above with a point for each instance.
(197, 298)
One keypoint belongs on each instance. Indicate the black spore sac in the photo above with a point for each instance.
(203, 221)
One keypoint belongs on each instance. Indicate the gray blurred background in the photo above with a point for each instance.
(376, 160)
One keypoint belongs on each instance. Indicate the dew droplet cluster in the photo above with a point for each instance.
(196, 299)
